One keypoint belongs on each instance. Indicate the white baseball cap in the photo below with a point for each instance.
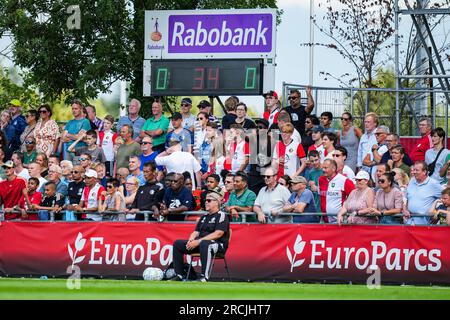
(362, 175)
(91, 173)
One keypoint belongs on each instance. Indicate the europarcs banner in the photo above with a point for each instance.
(257, 252)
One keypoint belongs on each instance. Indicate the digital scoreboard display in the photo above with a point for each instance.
(206, 77)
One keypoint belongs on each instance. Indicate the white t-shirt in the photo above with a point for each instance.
(239, 153)
(179, 162)
(108, 145)
(24, 174)
(274, 200)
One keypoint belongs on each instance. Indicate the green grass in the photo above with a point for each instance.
(163, 290)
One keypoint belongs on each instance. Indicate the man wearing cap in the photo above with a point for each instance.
(91, 195)
(156, 127)
(211, 236)
(188, 118)
(316, 136)
(17, 121)
(205, 106)
(133, 119)
(374, 157)
(12, 191)
(179, 133)
(54, 175)
(272, 107)
(300, 201)
(297, 111)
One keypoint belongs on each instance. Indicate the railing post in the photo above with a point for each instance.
(145, 216)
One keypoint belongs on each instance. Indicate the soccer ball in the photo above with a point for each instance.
(153, 274)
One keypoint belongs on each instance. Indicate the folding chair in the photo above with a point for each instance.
(219, 255)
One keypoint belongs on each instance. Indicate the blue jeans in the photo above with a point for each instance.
(43, 215)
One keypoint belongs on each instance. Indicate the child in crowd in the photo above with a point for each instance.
(52, 201)
(91, 148)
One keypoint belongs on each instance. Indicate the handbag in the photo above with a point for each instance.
(432, 166)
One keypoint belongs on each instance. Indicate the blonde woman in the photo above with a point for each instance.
(131, 187)
(402, 179)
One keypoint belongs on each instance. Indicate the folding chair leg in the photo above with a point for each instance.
(189, 269)
(226, 268)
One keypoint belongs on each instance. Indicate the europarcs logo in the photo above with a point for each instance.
(322, 256)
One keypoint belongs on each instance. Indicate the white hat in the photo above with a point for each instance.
(91, 173)
(362, 175)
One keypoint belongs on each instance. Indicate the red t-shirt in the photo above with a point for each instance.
(418, 152)
(35, 198)
(11, 193)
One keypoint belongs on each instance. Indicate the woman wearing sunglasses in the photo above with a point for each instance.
(388, 200)
(349, 138)
(46, 132)
(113, 202)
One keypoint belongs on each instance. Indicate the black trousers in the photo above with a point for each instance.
(207, 249)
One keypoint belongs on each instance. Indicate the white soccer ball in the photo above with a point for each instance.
(153, 274)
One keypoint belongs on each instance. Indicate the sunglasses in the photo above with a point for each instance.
(198, 119)
(75, 172)
(29, 142)
(109, 186)
(42, 111)
(381, 181)
(267, 177)
(345, 119)
(146, 143)
(184, 105)
(209, 200)
(83, 159)
(292, 98)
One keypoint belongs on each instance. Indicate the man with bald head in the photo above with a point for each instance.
(75, 188)
(177, 199)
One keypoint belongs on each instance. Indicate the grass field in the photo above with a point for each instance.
(139, 289)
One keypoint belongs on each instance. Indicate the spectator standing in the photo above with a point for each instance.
(147, 152)
(334, 189)
(92, 116)
(359, 202)
(20, 171)
(178, 161)
(35, 199)
(149, 195)
(156, 127)
(339, 155)
(31, 118)
(113, 202)
(75, 189)
(289, 156)
(200, 132)
(106, 140)
(132, 119)
(239, 149)
(398, 154)
(271, 199)
(205, 151)
(301, 201)
(329, 140)
(368, 139)
(179, 133)
(91, 148)
(312, 176)
(205, 106)
(299, 112)
(30, 153)
(134, 165)
(241, 117)
(272, 107)
(283, 118)
(310, 122)
(127, 149)
(3, 143)
(42, 159)
(92, 193)
(101, 173)
(241, 199)
(378, 149)
(8, 129)
(422, 191)
(18, 122)
(230, 116)
(73, 129)
(188, 118)
(316, 135)
(34, 169)
(177, 199)
(435, 157)
(424, 143)
(349, 139)
(54, 175)
(326, 119)
(392, 140)
(388, 200)
(2, 170)
(12, 191)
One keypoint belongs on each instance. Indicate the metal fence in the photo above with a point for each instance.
(243, 215)
(413, 104)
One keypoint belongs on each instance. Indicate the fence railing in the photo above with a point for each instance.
(243, 215)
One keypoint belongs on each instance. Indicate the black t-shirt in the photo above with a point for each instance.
(209, 223)
(298, 117)
(75, 191)
(147, 196)
(307, 141)
(247, 124)
(227, 120)
(57, 199)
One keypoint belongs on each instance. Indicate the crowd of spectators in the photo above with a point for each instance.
(288, 167)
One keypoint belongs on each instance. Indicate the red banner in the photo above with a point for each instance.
(284, 252)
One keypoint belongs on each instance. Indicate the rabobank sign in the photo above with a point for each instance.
(210, 34)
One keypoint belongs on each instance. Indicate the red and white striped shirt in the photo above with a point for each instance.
(333, 193)
(292, 154)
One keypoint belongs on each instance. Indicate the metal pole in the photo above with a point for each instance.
(311, 41)
(397, 73)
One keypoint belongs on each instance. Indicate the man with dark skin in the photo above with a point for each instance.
(177, 199)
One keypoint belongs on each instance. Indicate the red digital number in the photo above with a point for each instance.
(199, 79)
(213, 78)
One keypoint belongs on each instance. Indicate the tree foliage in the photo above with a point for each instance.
(108, 46)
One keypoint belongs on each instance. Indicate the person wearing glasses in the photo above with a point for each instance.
(30, 153)
(359, 203)
(112, 200)
(349, 138)
(75, 189)
(310, 122)
(241, 117)
(90, 198)
(177, 199)
(271, 199)
(299, 112)
(205, 106)
(200, 132)
(340, 155)
(388, 200)
(272, 107)
(54, 175)
(378, 149)
(147, 152)
(211, 235)
(188, 118)
(31, 118)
